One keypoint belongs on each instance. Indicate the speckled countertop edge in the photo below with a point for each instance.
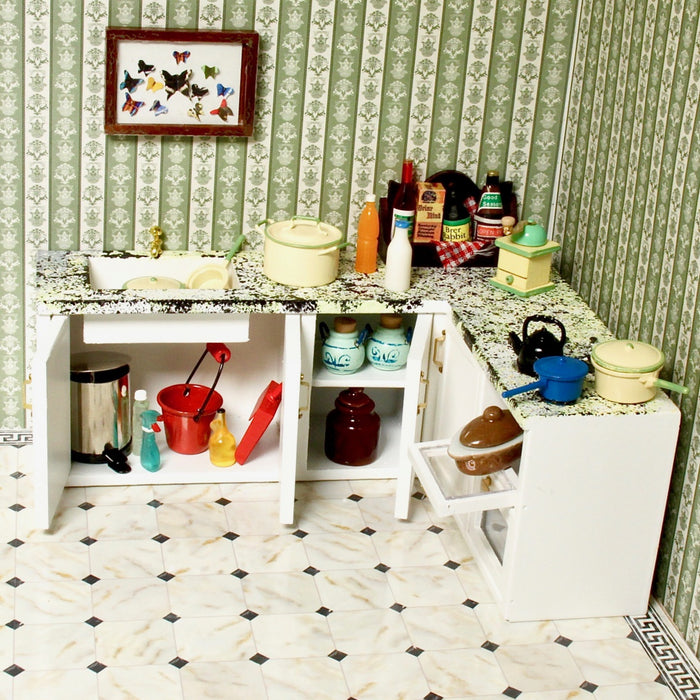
(483, 314)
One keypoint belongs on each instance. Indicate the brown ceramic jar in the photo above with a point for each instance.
(352, 429)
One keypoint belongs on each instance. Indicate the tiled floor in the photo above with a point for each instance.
(198, 592)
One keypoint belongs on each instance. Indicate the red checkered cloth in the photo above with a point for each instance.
(453, 253)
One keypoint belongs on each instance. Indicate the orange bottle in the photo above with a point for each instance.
(367, 237)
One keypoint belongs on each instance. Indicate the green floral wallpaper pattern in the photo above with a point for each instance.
(346, 88)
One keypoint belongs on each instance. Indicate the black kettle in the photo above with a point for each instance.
(539, 344)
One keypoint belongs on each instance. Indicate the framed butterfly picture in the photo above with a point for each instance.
(180, 81)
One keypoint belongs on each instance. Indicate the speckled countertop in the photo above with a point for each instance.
(483, 314)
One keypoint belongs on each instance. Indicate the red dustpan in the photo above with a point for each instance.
(260, 418)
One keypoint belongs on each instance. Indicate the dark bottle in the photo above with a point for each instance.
(487, 220)
(456, 222)
(403, 207)
(352, 429)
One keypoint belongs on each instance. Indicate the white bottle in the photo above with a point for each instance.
(397, 275)
(140, 405)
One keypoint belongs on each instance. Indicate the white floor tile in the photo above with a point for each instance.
(198, 555)
(356, 589)
(126, 558)
(613, 661)
(38, 602)
(270, 553)
(427, 585)
(292, 636)
(443, 627)
(327, 551)
(222, 638)
(63, 684)
(214, 680)
(539, 667)
(395, 676)
(142, 682)
(369, 632)
(206, 595)
(280, 592)
(135, 643)
(130, 599)
(463, 672)
(301, 679)
(40, 647)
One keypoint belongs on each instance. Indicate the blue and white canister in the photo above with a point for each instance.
(343, 349)
(388, 347)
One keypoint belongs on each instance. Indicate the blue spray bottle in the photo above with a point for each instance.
(150, 455)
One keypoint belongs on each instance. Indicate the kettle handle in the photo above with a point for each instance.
(545, 319)
(539, 384)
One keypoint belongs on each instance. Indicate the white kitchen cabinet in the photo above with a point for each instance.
(574, 533)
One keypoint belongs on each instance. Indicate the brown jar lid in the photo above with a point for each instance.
(494, 427)
(390, 320)
(344, 324)
(354, 399)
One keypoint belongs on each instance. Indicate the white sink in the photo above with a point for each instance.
(159, 273)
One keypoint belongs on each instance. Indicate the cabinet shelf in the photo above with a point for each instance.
(366, 376)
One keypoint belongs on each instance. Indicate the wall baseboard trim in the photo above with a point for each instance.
(15, 438)
(678, 666)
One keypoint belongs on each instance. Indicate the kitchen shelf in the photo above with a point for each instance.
(367, 377)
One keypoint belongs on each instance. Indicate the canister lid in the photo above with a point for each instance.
(98, 367)
(390, 320)
(627, 356)
(344, 324)
(494, 427)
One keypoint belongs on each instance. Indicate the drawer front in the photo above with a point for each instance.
(512, 262)
(512, 280)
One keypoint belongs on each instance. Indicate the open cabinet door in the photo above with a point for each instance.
(51, 415)
(289, 420)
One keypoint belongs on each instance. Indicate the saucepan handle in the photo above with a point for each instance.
(539, 384)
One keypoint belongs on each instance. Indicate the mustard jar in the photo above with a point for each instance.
(352, 429)
(342, 351)
(388, 347)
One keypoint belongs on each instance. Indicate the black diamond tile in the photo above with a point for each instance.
(382, 567)
(300, 534)
(259, 659)
(660, 680)
(14, 624)
(311, 570)
(93, 621)
(414, 651)
(323, 610)
(178, 662)
(451, 564)
(470, 603)
(564, 641)
(96, 666)
(13, 670)
(87, 541)
(160, 538)
(633, 636)
(239, 573)
(17, 475)
(14, 582)
(436, 529)
(489, 646)
(222, 501)
(337, 655)
(511, 692)
(397, 607)
(418, 496)
(354, 497)
(432, 696)
(367, 531)
(171, 617)
(15, 543)
(166, 576)
(249, 614)
(155, 503)
(86, 506)
(17, 507)
(588, 687)
(91, 580)
(230, 536)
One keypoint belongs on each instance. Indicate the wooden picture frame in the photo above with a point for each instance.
(180, 82)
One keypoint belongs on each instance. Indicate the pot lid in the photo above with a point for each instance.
(567, 369)
(494, 427)
(627, 356)
(152, 282)
(304, 233)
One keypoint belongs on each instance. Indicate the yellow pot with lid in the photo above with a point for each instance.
(627, 371)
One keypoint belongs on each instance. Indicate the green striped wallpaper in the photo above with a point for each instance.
(346, 89)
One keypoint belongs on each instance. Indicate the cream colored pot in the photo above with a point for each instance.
(301, 252)
(627, 371)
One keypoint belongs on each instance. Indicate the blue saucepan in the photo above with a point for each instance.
(560, 379)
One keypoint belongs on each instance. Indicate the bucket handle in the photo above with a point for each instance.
(222, 355)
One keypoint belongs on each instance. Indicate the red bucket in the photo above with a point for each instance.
(181, 403)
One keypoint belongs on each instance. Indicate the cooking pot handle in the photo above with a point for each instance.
(299, 217)
(663, 384)
(539, 384)
(325, 251)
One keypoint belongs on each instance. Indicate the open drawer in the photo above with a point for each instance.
(450, 491)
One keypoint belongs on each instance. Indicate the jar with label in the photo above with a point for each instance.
(487, 220)
(456, 222)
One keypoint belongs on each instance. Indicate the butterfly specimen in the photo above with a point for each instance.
(181, 56)
(158, 108)
(146, 68)
(131, 105)
(199, 91)
(223, 91)
(210, 71)
(177, 83)
(129, 83)
(153, 84)
(196, 111)
(223, 110)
